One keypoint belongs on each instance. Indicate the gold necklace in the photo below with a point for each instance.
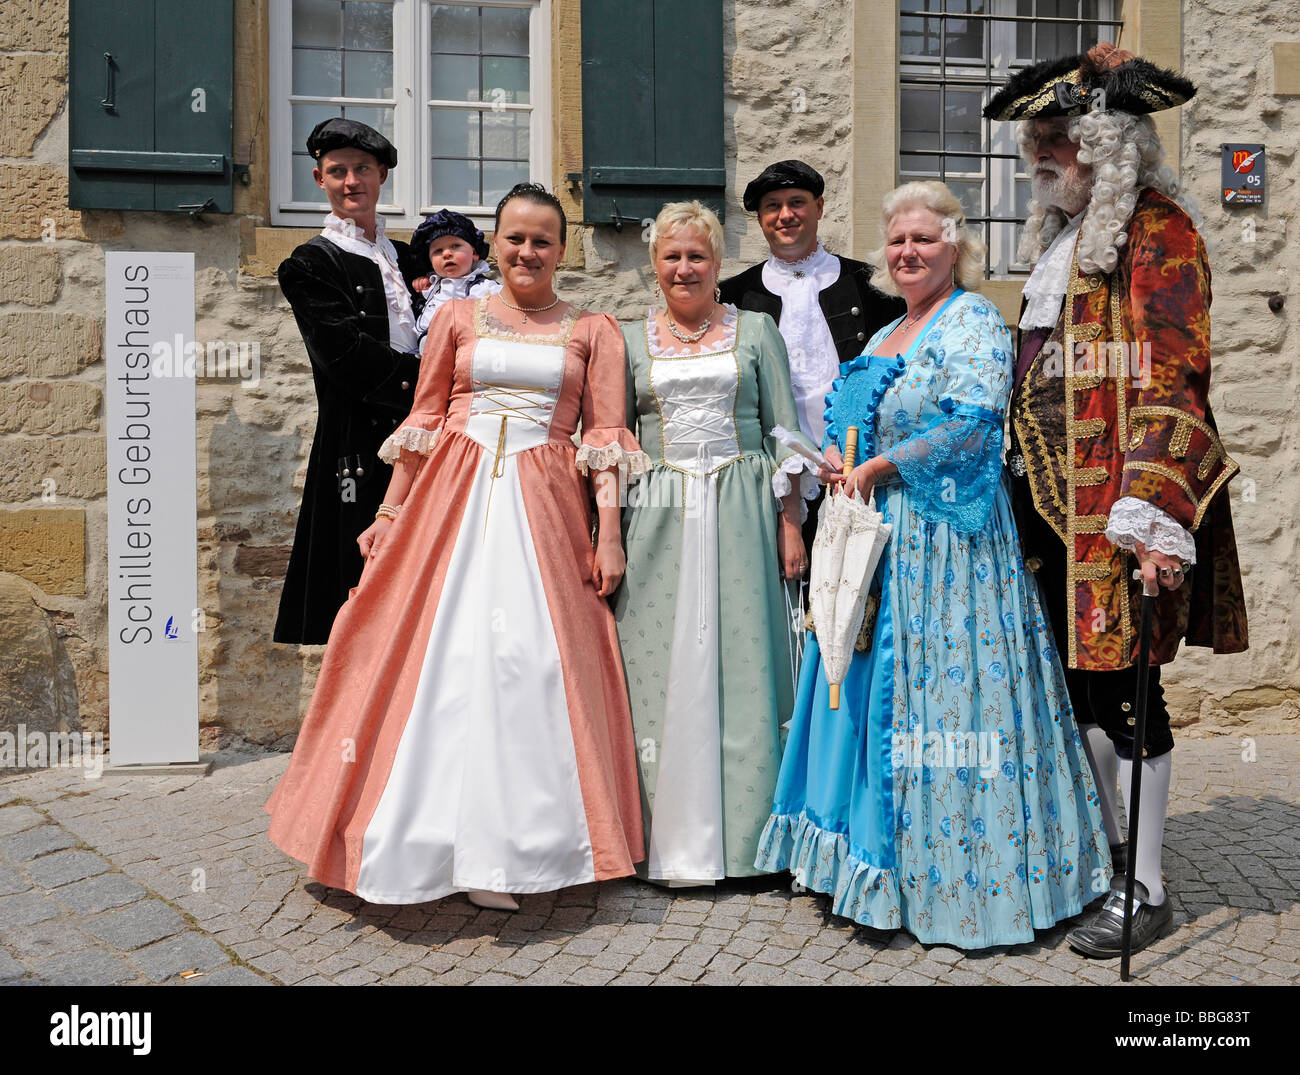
(526, 310)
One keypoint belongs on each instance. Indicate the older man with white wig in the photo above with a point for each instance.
(1114, 450)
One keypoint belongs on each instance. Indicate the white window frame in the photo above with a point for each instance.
(410, 113)
(1002, 173)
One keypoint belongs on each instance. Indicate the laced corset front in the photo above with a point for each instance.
(695, 393)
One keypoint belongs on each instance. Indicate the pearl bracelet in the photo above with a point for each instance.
(388, 511)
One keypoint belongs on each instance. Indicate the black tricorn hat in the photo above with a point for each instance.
(340, 133)
(1103, 79)
(779, 176)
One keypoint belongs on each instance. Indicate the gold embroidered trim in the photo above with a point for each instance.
(1087, 332)
(1160, 411)
(1040, 96)
(1121, 384)
(1090, 476)
(1179, 442)
(1212, 456)
(1167, 472)
(1090, 572)
(1081, 382)
(1072, 573)
(1090, 524)
(1090, 427)
(1229, 469)
(1139, 433)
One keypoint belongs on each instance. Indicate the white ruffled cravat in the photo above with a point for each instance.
(346, 235)
(814, 362)
(1046, 285)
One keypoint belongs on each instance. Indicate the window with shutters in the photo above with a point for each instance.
(953, 56)
(461, 89)
(651, 107)
(150, 89)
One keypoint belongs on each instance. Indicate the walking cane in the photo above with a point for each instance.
(1135, 788)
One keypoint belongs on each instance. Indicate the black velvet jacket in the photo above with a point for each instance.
(852, 307)
(363, 390)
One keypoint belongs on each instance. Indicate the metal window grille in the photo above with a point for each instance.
(953, 56)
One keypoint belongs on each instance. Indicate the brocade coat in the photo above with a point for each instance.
(1096, 423)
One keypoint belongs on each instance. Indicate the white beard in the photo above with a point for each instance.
(1064, 190)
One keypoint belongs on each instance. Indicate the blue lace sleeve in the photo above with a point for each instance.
(954, 464)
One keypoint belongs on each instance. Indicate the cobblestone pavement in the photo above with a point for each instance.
(139, 879)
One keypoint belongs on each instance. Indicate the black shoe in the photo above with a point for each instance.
(1119, 859)
(1100, 938)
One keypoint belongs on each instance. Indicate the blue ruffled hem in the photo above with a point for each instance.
(825, 862)
(890, 370)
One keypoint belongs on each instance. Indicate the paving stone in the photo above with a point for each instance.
(10, 968)
(84, 968)
(134, 926)
(52, 937)
(186, 951)
(100, 893)
(27, 845)
(17, 818)
(26, 908)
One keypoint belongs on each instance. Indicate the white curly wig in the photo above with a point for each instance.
(1125, 153)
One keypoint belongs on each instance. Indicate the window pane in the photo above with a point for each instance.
(317, 22)
(919, 37)
(367, 74)
(505, 80)
(455, 78)
(454, 132)
(381, 119)
(304, 186)
(962, 120)
(505, 31)
(919, 129)
(317, 72)
(970, 195)
(453, 28)
(305, 118)
(368, 26)
(456, 182)
(500, 176)
(505, 135)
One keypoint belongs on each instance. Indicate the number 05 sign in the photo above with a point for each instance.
(1243, 174)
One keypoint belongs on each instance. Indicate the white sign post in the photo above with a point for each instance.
(153, 702)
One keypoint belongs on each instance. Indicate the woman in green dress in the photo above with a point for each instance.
(712, 533)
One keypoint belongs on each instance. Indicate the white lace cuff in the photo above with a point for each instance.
(409, 438)
(809, 484)
(1133, 520)
(590, 458)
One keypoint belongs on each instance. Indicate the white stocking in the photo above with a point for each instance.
(1104, 762)
(1156, 773)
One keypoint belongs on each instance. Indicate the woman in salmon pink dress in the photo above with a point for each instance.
(469, 729)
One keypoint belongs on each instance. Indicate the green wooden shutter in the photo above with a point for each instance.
(651, 107)
(150, 88)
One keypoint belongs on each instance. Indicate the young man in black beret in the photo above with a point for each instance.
(824, 304)
(349, 289)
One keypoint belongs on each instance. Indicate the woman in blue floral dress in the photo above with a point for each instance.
(949, 794)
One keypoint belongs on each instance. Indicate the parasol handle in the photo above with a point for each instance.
(850, 453)
(850, 449)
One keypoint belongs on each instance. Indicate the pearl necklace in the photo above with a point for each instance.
(689, 337)
(526, 310)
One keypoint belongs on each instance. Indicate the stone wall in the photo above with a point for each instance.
(1228, 53)
(253, 440)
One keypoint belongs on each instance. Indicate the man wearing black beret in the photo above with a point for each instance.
(349, 289)
(824, 304)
